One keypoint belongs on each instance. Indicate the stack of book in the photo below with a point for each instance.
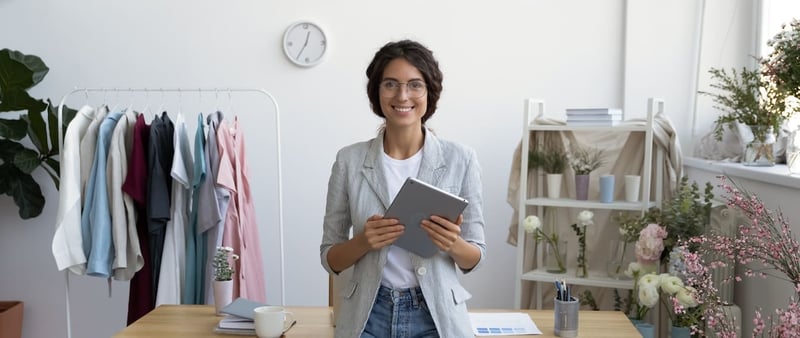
(236, 325)
(239, 318)
(594, 116)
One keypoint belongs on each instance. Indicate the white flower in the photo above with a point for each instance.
(648, 296)
(622, 231)
(532, 223)
(585, 218)
(686, 297)
(671, 284)
(649, 280)
(633, 269)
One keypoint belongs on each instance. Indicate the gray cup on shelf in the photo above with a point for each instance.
(566, 317)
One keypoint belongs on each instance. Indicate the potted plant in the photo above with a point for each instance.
(223, 277)
(19, 73)
(583, 161)
(553, 162)
(748, 98)
(11, 319)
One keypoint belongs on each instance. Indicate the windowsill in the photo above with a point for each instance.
(777, 174)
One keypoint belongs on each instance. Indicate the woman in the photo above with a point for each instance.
(394, 293)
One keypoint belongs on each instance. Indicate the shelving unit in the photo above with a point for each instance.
(535, 109)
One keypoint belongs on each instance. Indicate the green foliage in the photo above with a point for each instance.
(588, 299)
(684, 215)
(551, 160)
(746, 97)
(36, 124)
(782, 65)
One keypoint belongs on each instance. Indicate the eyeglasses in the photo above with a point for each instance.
(414, 88)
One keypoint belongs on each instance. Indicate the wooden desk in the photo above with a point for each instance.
(198, 321)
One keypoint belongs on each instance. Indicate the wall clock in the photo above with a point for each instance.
(305, 43)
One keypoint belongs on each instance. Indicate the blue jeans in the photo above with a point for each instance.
(400, 313)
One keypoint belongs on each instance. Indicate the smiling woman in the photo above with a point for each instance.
(418, 295)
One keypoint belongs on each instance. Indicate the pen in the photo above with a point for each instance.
(558, 290)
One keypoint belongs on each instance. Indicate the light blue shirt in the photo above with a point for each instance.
(96, 217)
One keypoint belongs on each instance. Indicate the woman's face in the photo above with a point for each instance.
(403, 95)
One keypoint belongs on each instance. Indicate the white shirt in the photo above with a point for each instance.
(399, 271)
(67, 242)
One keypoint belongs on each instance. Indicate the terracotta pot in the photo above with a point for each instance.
(11, 319)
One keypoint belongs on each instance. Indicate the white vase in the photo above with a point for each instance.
(223, 294)
(554, 185)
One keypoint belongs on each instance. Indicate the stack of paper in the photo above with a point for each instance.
(502, 324)
(594, 116)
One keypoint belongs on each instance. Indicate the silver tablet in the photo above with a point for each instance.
(416, 201)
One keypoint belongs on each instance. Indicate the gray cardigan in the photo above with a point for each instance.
(357, 190)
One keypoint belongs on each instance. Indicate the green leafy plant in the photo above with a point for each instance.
(686, 214)
(550, 159)
(35, 124)
(747, 97)
(223, 270)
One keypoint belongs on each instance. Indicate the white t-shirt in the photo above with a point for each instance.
(399, 271)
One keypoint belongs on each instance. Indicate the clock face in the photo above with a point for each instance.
(304, 44)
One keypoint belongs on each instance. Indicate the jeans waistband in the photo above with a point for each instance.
(413, 294)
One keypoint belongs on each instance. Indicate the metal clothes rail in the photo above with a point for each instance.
(216, 91)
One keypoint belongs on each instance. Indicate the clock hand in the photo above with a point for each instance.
(304, 45)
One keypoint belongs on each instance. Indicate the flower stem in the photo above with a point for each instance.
(621, 257)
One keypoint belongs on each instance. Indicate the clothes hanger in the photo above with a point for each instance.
(160, 105)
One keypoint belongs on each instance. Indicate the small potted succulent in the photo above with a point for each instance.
(553, 162)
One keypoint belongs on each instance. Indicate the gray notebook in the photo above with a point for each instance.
(416, 201)
(241, 307)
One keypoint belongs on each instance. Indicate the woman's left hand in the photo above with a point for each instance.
(442, 232)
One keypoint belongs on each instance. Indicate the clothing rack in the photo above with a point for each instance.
(216, 91)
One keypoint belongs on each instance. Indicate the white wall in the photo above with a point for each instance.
(493, 54)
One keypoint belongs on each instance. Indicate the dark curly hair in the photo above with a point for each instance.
(420, 57)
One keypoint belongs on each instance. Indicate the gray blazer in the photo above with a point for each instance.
(357, 189)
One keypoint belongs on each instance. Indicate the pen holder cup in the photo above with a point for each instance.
(566, 317)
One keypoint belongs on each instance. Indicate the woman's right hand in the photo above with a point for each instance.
(380, 232)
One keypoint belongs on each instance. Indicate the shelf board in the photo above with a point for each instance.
(594, 279)
(588, 204)
(617, 128)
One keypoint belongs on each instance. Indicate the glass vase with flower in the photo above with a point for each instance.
(555, 249)
(749, 99)
(621, 248)
(584, 219)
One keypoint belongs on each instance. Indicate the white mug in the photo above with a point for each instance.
(271, 321)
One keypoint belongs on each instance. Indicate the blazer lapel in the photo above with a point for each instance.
(373, 172)
(433, 166)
